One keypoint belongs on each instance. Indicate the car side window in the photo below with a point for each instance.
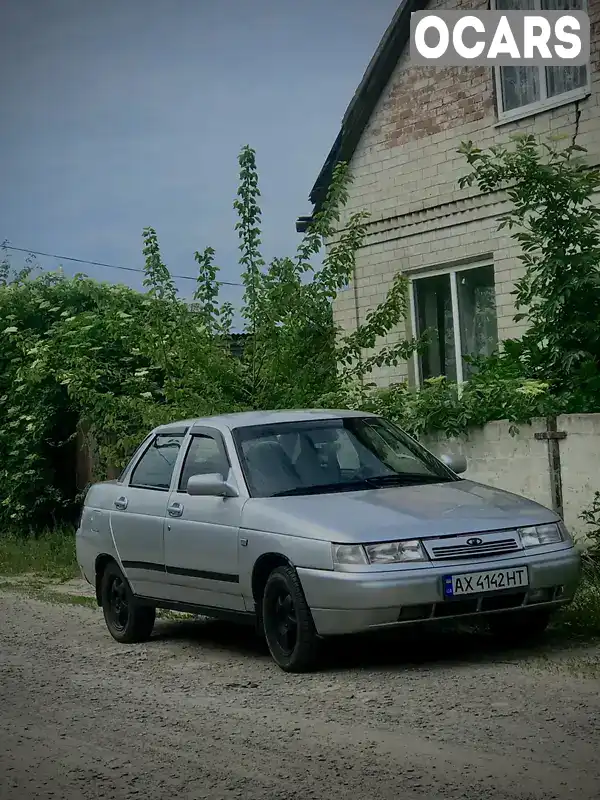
(204, 457)
(155, 468)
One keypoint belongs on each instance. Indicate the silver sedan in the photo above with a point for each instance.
(310, 524)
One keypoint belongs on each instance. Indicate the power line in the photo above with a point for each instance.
(100, 264)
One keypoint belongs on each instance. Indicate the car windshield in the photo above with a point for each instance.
(333, 455)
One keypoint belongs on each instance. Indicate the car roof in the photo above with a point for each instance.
(243, 419)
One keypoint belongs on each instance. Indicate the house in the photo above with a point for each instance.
(400, 135)
(238, 342)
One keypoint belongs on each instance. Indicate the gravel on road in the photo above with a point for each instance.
(200, 711)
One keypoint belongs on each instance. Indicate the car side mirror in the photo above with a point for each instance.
(455, 462)
(212, 485)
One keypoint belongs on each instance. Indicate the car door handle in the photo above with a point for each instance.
(121, 503)
(175, 510)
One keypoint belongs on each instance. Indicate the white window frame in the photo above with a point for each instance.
(452, 272)
(544, 103)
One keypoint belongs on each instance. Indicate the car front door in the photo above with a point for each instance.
(202, 533)
(138, 516)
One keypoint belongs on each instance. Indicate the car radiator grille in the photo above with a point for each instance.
(467, 546)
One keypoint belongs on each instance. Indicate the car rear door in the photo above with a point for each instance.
(138, 515)
(202, 533)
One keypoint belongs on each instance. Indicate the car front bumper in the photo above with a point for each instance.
(351, 602)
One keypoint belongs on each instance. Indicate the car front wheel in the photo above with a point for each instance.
(287, 622)
(127, 620)
(519, 627)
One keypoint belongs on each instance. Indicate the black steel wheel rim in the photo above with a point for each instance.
(118, 603)
(282, 621)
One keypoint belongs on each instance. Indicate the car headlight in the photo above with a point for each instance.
(349, 554)
(381, 553)
(542, 534)
(393, 552)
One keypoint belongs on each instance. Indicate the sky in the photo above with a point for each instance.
(121, 114)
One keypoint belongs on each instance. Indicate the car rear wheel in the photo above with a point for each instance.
(519, 627)
(287, 622)
(127, 620)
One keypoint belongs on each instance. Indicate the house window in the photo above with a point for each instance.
(458, 309)
(523, 90)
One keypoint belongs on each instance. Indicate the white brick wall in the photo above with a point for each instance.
(406, 172)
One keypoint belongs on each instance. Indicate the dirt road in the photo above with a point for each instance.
(201, 712)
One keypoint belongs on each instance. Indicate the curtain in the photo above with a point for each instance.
(564, 79)
(477, 313)
(521, 85)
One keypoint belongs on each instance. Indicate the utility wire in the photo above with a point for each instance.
(100, 264)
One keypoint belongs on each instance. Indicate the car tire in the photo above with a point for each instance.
(288, 626)
(127, 620)
(519, 627)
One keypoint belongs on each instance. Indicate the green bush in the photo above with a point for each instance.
(555, 219)
(582, 617)
(591, 516)
(112, 363)
(441, 405)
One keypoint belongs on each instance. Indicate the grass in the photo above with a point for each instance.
(60, 598)
(581, 619)
(51, 555)
(38, 590)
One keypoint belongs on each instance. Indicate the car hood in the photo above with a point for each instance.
(399, 512)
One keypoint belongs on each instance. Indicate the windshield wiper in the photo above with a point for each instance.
(323, 488)
(403, 478)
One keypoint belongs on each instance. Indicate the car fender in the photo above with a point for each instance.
(298, 551)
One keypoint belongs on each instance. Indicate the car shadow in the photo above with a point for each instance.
(426, 647)
(213, 633)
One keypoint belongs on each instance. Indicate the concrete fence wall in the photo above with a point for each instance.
(520, 463)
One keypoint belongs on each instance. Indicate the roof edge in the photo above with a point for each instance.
(361, 107)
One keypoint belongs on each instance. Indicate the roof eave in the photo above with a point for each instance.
(362, 105)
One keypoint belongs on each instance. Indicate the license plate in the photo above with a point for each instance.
(478, 582)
